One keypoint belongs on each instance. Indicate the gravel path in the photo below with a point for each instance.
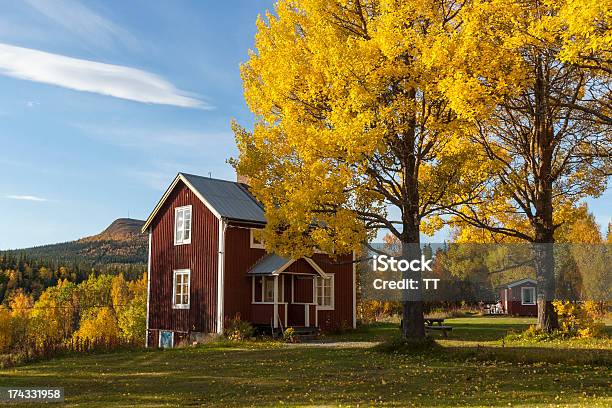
(335, 344)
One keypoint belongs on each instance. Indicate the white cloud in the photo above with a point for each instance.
(86, 24)
(27, 198)
(83, 75)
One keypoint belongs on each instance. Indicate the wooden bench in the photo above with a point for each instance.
(443, 329)
(430, 321)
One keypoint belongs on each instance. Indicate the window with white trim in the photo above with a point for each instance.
(257, 238)
(267, 288)
(182, 225)
(528, 296)
(180, 289)
(325, 292)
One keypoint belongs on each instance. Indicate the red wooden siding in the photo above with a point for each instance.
(342, 315)
(239, 257)
(514, 304)
(200, 257)
(296, 316)
(287, 287)
(301, 266)
(262, 313)
(515, 308)
(303, 289)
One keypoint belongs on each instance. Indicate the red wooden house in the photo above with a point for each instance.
(518, 298)
(207, 265)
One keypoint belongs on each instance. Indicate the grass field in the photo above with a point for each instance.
(473, 367)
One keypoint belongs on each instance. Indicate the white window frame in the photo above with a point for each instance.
(253, 244)
(281, 289)
(531, 289)
(175, 273)
(317, 286)
(160, 335)
(181, 240)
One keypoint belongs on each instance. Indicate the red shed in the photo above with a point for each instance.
(519, 297)
(207, 265)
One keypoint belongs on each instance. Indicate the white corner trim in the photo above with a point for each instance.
(206, 203)
(160, 203)
(316, 267)
(312, 263)
(354, 291)
(148, 290)
(275, 307)
(220, 275)
(282, 268)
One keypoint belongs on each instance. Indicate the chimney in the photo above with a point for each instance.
(243, 179)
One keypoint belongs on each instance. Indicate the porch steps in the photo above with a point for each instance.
(304, 333)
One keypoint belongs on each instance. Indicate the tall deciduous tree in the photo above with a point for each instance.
(352, 126)
(550, 130)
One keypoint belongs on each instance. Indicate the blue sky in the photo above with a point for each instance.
(82, 143)
(102, 103)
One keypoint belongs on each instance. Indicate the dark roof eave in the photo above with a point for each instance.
(244, 221)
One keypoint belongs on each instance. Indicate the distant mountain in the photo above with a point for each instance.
(120, 243)
(122, 229)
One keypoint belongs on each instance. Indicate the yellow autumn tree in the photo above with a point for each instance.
(55, 314)
(586, 33)
(549, 129)
(590, 255)
(99, 326)
(353, 132)
(132, 316)
(6, 338)
(21, 305)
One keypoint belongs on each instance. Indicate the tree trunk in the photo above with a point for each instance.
(413, 324)
(545, 274)
(543, 220)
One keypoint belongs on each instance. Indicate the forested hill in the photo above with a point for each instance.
(120, 243)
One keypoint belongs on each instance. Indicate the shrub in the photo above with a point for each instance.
(290, 336)
(237, 329)
(575, 320)
(133, 320)
(579, 319)
(376, 310)
(533, 334)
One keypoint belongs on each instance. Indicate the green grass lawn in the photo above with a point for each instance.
(473, 367)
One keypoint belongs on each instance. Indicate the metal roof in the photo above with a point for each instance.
(269, 265)
(518, 282)
(230, 199)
